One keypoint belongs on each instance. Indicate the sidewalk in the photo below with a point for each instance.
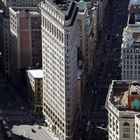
(15, 95)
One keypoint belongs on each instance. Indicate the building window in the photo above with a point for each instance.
(126, 129)
(126, 124)
(126, 135)
(136, 125)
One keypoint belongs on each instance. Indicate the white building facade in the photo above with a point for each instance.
(34, 82)
(121, 114)
(130, 53)
(60, 41)
(137, 127)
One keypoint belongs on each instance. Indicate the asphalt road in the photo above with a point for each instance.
(16, 115)
(110, 66)
(106, 68)
(11, 106)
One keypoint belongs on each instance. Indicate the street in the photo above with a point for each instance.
(106, 68)
(11, 106)
(110, 67)
(16, 116)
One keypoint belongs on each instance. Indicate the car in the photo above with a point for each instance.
(10, 105)
(22, 107)
(117, 35)
(6, 127)
(102, 108)
(7, 119)
(88, 123)
(109, 75)
(22, 122)
(29, 114)
(87, 128)
(4, 122)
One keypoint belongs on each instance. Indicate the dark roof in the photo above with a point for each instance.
(132, 18)
(67, 8)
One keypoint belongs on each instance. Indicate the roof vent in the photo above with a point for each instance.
(135, 83)
(64, 7)
(60, 5)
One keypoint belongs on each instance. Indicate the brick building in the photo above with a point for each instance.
(25, 39)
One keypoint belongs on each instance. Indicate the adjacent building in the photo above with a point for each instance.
(130, 49)
(6, 41)
(102, 7)
(86, 23)
(137, 127)
(134, 6)
(86, 19)
(80, 89)
(5, 4)
(19, 3)
(60, 42)
(1, 41)
(35, 89)
(123, 104)
(25, 40)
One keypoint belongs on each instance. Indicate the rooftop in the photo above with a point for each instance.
(135, 2)
(61, 5)
(30, 10)
(36, 73)
(82, 5)
(131, 36)
(67, 9)
(125, 95)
